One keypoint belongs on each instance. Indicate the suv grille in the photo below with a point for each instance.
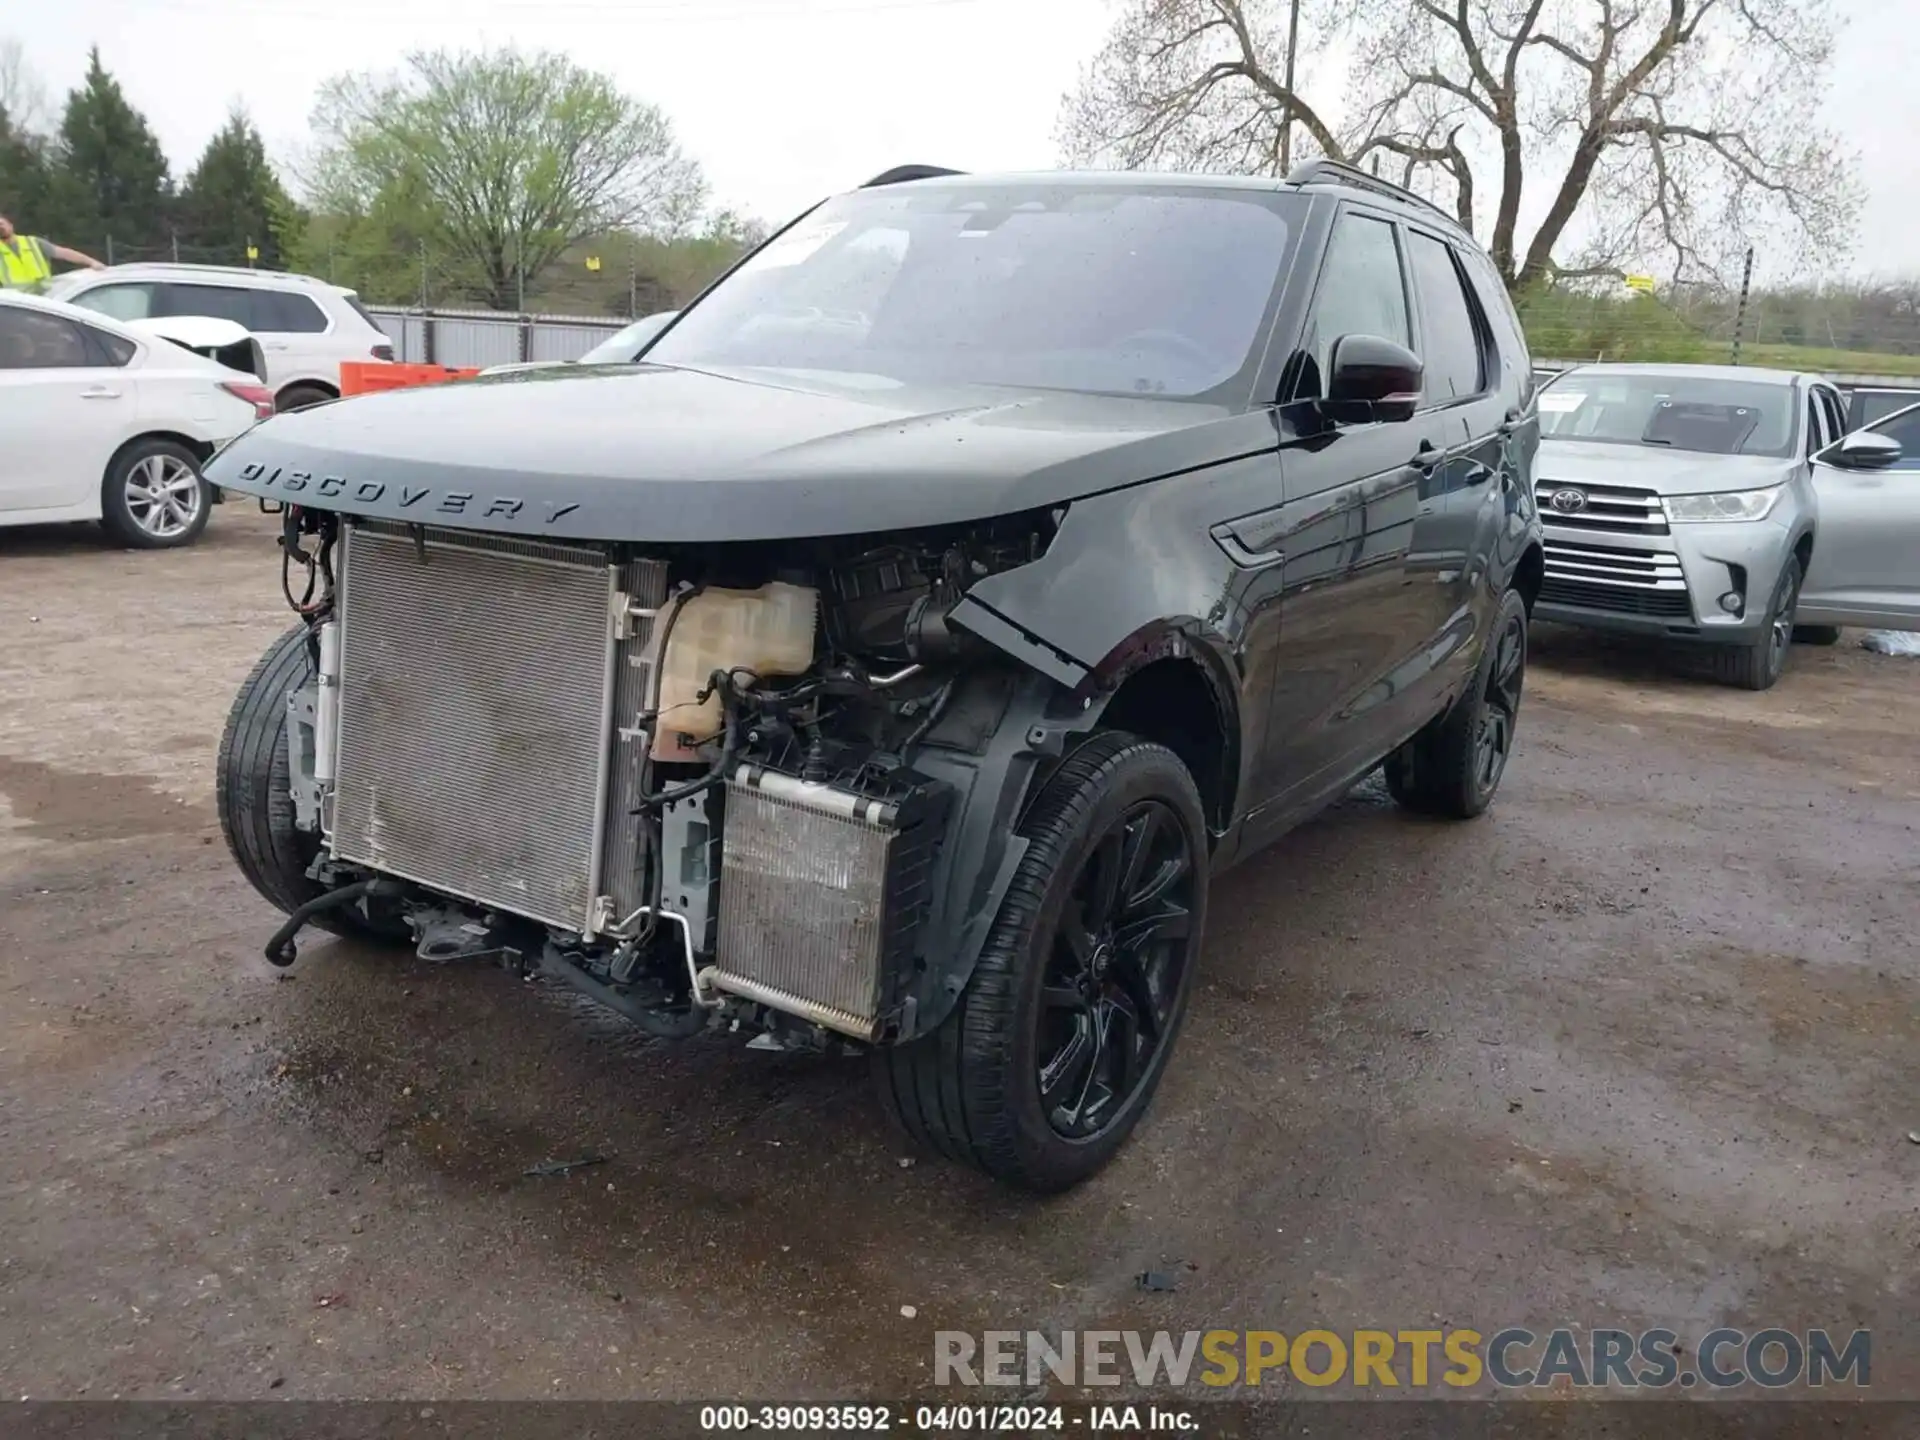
(1625, 582)
(1620, 509)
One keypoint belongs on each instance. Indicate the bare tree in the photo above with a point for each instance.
(23, 98)
(1629, 132)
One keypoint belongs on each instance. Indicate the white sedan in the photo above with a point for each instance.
(102, 422)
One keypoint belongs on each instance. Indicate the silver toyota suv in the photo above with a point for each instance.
(1679, 504)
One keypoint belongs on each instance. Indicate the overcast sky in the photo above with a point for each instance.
(784, 101)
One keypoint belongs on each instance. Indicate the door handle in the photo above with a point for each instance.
(1514, 417)
(1426, 458)
(100, 392)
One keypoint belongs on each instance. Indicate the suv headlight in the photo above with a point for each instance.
(1727, 505)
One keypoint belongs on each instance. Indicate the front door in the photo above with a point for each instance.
(1355, 621)
(1866, 549)
(63, 411)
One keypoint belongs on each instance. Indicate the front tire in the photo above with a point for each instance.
(1816, 634)
(152, 497)
(1453, 767)
(1757, 665)
(1055, 1049)
(253, 790)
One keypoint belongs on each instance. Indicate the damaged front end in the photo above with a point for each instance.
(757, 784)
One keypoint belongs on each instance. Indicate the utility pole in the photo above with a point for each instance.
(520, 272)
(175, 235)
(423, 274)
(1293, 43)
(1740, 315)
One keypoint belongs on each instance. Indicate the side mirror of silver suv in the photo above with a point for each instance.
(1864, 450)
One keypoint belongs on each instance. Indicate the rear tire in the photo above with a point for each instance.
(1454, 766)
(1816, 634)
(1758, 664)
(152, 496)
(1055, 1049)
(253, 791)
(300, 397)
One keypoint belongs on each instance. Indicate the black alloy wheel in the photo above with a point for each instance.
(1114, 970)
(1053, 1051)
(1500, 708)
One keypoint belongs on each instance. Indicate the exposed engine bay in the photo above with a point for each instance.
(704, 785)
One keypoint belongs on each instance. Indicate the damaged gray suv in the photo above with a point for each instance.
(891, 655)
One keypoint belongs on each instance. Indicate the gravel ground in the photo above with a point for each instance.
(1638, 1048)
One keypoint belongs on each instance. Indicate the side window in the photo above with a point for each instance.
(1361, 292)
(283, 312)
(1905, 429)
(219, 302)
(1817, 433)
(1836, 414)
(118, 302)
(1509, 337)
(1449, 334)
(32, 341)
(115, 350)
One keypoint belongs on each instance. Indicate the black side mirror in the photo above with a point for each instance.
(1864, 450)
(1371, 379)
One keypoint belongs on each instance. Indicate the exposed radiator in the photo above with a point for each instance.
(478, 731)
(824, 894)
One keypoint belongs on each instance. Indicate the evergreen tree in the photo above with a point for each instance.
(25, 176)
(232, 197)
(113, 175)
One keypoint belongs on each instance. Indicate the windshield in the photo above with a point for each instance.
(1160, 292)
(624, 345)
(1670, 412)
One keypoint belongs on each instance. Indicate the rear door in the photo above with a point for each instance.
(1463, 500)
(1355, 623)
(1866, 547)
(65, 407)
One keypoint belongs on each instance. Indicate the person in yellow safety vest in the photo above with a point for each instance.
(26, 261)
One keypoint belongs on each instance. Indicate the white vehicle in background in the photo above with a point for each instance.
(305, 326)
(623, 347)
(99, 421)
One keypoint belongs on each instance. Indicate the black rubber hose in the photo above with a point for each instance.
(282, 951)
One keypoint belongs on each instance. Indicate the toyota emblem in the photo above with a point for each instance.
(1569, 502)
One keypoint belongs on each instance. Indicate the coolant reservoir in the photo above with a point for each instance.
(768, 631)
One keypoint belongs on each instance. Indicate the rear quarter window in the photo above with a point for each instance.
(1509, 338)
(287, 312)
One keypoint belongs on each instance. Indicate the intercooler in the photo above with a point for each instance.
(490, 692)
(825, 894)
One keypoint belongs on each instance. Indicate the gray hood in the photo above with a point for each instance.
(647, 453)
(1650, 467)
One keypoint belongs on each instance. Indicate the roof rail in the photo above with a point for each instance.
(1338, 172)
(900, 174)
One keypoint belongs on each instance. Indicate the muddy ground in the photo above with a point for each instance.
(1638, 1048)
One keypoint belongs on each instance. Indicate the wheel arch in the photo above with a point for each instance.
(202, 450)
(1170, 685)
(305, 382)
(1529, 573)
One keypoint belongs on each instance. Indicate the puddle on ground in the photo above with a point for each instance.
(76, 807)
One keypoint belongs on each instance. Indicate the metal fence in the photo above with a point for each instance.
(488, 337)
(498, 337)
